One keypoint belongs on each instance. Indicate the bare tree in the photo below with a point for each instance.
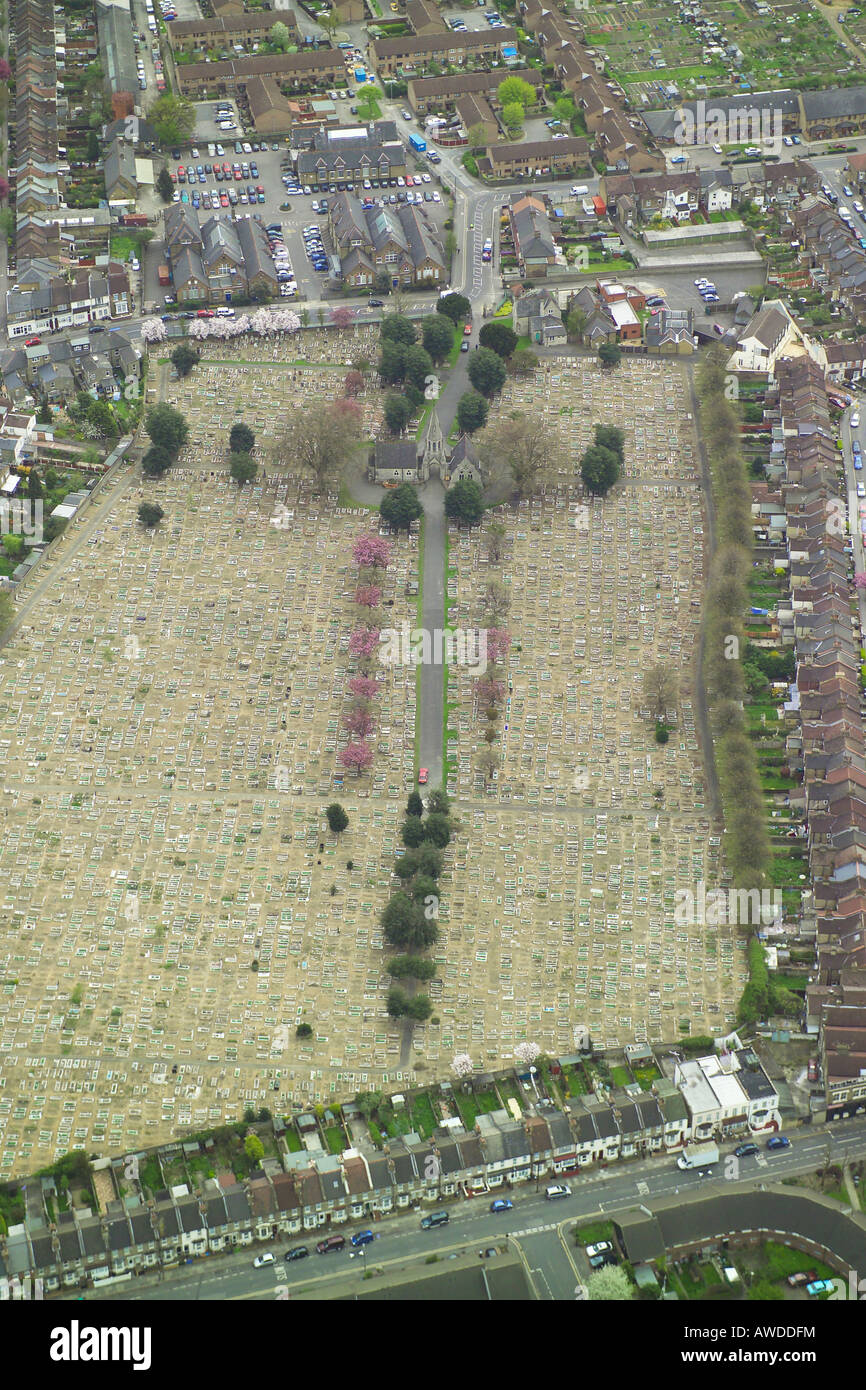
(659, 689)
(494, 538)
(323, 440)
(522, 450)
(497, 598)
(488, 762)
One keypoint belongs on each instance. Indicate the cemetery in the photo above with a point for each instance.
(174, 905)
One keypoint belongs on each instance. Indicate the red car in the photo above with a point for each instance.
(423, 774)
(224, 200)
(204, 313)
(32, 342)
(467, 329)
(813, 1069)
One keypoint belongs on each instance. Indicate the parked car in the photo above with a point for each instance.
(855, 419)
(423, 774)
(375, 303)
(745, 1150)
(803, 1277)
(331, 1243)
(436, 1218)
(819, 1286)
(501, 1204)
(261, 1260)
(362, 1238)
(812, 1071)
(602, 1247)
(557, 1190)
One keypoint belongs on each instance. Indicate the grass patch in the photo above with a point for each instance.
(335, 1139)
(592, 1234)
(620, 1076)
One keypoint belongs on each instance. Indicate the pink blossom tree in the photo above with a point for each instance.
(490, 691)
(5, 70)
(359, 723)
(342, 317)
(261, 322)
(368, 595)
(526, 1052)
(860, 581)
(358, 756)
(363, 687)
(4, 188)
(364, 642)
(371, 552)
(462, 1065)
(498, 643)
(354, 383)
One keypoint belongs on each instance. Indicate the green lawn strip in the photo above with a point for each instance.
(335, 1139)
(293, 1140)
(620, 1076)
(593, 1233)
(454, 352)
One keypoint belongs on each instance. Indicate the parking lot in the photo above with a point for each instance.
(294, 211)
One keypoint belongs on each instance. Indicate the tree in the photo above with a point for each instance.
(609, 355)
(156, 461)
(323, 440)
(477, 136)
(522, 362)
(488, 762)
(599, 469)
(454, 306)
(487, 372)
(575, 323)
(280, 36)
(183, 358)
(611, 437)
(515, 89)
(400, 507)
(414, 806)
(150, 514)
(173, 119)
(34, 486)
(397, 412)
(499, 337)
(242, 469)
(392, 361)
(512, 116)
(439, 802)
(397, 1001)
(472, 411)
(411, 967)
(303, 1030)
(354, 383)
(437, 829)
(164, 185)
(419, 366)
(357, 756)
(254, 1148)
(608, 1285)
(412, 832)
(102, 417)
(167, 428)
(371, 552)
(437, 335)
(396, 328)
(418, 1008)
(522, 450)
(404, 923)
(337, 818)
(464, 503)
(241, 439)
(92, 146)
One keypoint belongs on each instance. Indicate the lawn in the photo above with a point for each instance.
(293, 1140)
(122, 247)
(590, 1235)
(335, 1139)
(645, 1076)
(778, 1261)
(620, 1076)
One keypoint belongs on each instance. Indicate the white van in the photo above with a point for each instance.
(579, 190)
(225, 313)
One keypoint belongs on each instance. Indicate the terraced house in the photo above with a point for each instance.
(225, 31)
(415, 52)
(441, 94)
(299, 71)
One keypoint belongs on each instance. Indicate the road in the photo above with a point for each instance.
(536, 1228)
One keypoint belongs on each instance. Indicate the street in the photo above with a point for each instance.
(537, 1228)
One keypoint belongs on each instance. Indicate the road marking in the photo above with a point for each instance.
(535, 1230)
(643, 1188)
